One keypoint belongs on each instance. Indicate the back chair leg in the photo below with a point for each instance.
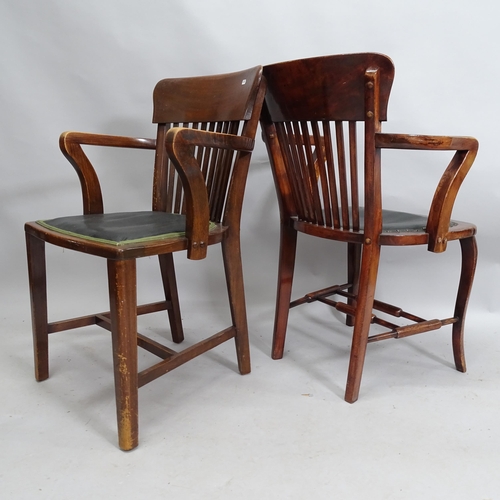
(367, 284)
(469, 260)
(123, 312)
(38, 293)
(353, 263)
(171, 296)
(231, 255)
(288, 248)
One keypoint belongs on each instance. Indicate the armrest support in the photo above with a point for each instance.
(180, 143)
(438, 221)
(70, 144)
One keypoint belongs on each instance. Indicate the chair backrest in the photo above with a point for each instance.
(314, 111)
(228, 103)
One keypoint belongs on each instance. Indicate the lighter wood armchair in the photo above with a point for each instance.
(321, 123)
(206, 130)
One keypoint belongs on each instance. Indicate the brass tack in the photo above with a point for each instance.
(369, 114)
(369, 85)
(368, 241)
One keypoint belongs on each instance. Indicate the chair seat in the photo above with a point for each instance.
(120, 228)
(398, 222)
(401, 222)
(398, 228)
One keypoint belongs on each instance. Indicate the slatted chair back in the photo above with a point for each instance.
(316, 111)
(221, 103)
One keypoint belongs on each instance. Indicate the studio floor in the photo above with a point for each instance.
(420, 430)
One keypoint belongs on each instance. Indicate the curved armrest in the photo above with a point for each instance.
(438, 222)
(70, 144)
(180, 143)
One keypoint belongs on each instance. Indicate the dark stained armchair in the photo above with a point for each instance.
(206, 131)
(321, 123)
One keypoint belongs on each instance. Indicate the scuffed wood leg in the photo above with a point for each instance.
(123, 310)
(38, 294)
(469, 260)
(288, 247)
(234, 279)
(171, 295)
(367, 285)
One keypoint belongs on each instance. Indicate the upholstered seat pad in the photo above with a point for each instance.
(396, 222)
(120, 228)
(399, 221)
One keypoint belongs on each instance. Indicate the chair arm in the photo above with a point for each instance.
(425, 142)
(438, 221)
(70, 144)
(180, 144)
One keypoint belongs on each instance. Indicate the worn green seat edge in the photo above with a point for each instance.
(121, 228)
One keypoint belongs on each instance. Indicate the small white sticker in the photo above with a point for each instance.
(243, 82)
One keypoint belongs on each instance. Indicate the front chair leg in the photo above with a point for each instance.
(123, 312)
(35, 248)
(286, 266)
(364, 309)
(469, 260)
(231, 255)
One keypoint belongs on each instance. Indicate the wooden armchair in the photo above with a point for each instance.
(206, 130)
(317, 114)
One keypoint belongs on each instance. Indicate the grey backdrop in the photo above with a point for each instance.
(91, 66)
